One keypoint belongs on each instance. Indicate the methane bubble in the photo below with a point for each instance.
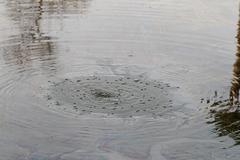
(120, 96)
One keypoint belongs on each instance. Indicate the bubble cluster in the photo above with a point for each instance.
(112, 95)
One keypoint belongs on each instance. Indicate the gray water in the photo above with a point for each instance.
(122, 80)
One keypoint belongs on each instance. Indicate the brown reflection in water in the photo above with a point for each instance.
(66, 6)
(30, 46)
(225, 123)
(234, 91)
(228, 124)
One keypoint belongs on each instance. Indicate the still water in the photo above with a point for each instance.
(122, 80)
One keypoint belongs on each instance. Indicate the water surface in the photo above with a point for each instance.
(165, 66)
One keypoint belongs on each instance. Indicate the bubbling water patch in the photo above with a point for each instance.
(110, 95)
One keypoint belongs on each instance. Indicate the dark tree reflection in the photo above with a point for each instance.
(66, 6)
(234, 91)
(29, 45)
(228, 123)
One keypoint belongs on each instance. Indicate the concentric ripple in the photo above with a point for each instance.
(112, 95)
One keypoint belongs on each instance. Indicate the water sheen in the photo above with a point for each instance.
(122, 80)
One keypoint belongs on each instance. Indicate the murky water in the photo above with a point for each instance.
(127, 80)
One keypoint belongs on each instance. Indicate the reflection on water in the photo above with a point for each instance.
(228, 124)
(66, 7)
(225, 123)
(64, 39)
(234, 92)
(31, 45)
